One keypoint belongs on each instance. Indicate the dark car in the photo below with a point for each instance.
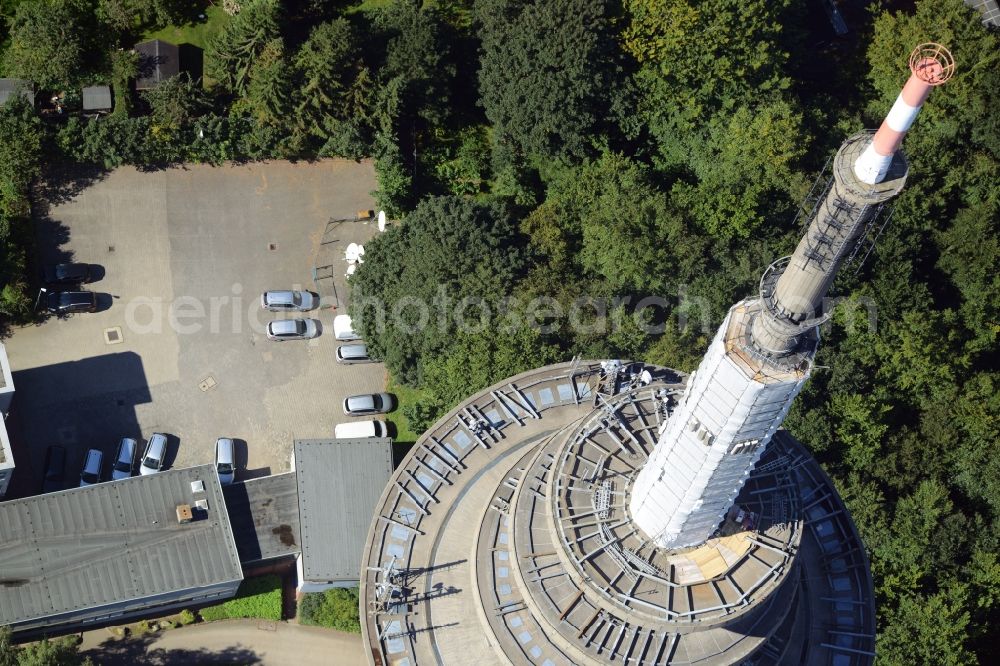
(65, 302)
(55, 469)
(67, 273)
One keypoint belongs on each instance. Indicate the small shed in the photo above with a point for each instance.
(97, 99)
(158, 61)
(11, 87)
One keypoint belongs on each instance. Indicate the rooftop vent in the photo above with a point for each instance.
(198, 486)
(184, 513)
(202, 504)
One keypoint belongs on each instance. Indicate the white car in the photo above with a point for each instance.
(343, 328)
(225, 460)
(288, 301)
(360, 430)
(152, 458)
(292, 329)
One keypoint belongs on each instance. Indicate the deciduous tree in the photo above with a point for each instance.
(928, 629)
(52, 42)
(746, 169)
(449, 261)
(697, 58)
(21, 135)
(177, 101)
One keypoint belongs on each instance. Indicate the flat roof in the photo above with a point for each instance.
(97, 98)
(6, 386)
(112, 542)
(5, 377)
(264, 514)
(6, 456)
(339, 484)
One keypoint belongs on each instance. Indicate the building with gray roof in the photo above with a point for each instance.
(6, 395)
(339, 484)
(264, 513)
(12, 87)
(990, 10)
(115, 550)
(97, 99)
(158, 61)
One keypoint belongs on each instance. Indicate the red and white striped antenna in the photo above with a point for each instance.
(930, 65)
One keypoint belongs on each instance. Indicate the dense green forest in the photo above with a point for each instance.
(544, 154)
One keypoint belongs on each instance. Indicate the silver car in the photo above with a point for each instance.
(292, 329)
(288, 301)
(353, 354)
(368, 403)
(124, 459)
(152, 458)
(225, 460)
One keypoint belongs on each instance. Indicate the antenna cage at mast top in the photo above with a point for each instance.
(932, 63)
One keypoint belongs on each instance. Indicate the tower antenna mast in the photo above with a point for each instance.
(764, 351)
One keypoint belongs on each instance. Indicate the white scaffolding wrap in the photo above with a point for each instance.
(708, 448)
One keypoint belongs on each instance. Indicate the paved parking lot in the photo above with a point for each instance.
(185, 254)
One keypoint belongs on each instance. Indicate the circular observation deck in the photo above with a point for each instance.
(504, 534)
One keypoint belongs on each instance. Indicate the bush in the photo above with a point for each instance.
(336, 608)
(422, 414)
(258, 597)
(185, 617)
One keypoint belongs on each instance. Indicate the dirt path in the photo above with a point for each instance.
(230, 642)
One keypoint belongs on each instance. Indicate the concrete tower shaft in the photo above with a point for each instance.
(793, 291)
(763, 352)
(867, 171)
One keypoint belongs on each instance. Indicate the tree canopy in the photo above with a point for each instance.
(556, 164)
(52, 42)
(233, 52)
(543, 76)
(452, 260)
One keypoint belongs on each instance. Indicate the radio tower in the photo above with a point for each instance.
(763, 353)
(617, 514)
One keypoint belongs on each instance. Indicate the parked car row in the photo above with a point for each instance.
(123, 466)
(65, 300)
(356, 351)
(153, 456)
(299, 328)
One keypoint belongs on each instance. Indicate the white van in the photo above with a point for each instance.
(343, 329)
(360, 429)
